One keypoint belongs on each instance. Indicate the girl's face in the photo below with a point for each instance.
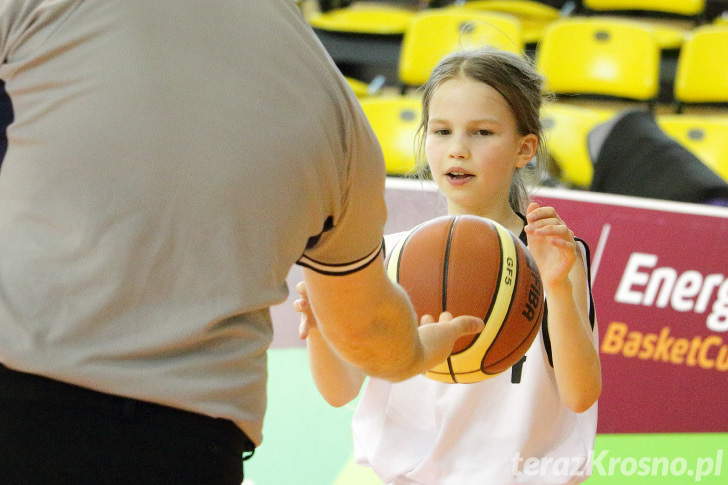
(473, 146)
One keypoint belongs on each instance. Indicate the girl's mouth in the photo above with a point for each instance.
(457, 175)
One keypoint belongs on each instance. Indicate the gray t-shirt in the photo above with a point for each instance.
(167, 163)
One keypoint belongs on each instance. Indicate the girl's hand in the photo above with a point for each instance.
(302, 306)
(551, 243)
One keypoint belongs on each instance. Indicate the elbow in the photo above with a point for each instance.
(579, 406)
(341, 393)
(337, 401)
(584, 399)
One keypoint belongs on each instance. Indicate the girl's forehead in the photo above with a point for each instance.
(467, 85)
(469, 93)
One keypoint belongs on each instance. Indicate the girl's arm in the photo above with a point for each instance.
(575, 357)
(338, 381)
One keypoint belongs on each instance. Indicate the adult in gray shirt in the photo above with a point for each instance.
(167, 163)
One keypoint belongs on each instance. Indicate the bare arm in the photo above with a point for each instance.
(336, 380)
(575, 358)
(370, 323)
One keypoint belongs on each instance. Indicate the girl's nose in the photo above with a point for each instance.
(458, 149)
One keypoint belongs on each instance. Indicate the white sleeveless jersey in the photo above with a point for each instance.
(509, 429)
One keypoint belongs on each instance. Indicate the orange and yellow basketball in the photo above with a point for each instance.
(470, 265)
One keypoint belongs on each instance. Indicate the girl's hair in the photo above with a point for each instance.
(515, 78)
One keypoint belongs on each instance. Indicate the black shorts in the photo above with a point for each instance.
(56, 433)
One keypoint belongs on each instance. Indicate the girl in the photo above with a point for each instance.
(537, 422)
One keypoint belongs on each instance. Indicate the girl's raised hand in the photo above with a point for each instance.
(551, 243)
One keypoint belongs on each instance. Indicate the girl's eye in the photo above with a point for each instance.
(483, 132)
(441, 131)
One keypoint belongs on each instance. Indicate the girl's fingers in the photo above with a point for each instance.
(553, 230)
(301, 288)
(303, 329)
(427, 319)
(300, 305)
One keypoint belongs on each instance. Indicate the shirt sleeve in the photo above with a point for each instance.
(352, 237)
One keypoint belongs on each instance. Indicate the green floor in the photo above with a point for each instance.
(308, 442)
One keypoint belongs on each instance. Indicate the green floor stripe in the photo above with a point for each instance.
(305, 441)
(663, 459)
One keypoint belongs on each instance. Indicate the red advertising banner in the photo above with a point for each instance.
(660, 283)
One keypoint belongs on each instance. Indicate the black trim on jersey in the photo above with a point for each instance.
(592, 312)
(6, 117)
(340, 269)
(335, 269)
(544, 320)
(328, 225)
(517, 370)
(545, 334)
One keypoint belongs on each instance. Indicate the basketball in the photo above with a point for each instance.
(470, 265)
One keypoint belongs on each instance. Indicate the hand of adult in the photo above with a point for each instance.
(438, 338)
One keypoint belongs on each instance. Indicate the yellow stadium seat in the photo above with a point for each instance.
(704, 136)
(395, 120)
(600, 56)
(668, 36)
(362, 89)
(688, 8)
(534, 16)
(565, 133)
(433, 33)
(672, 19)
(701, 74)
(364, 18)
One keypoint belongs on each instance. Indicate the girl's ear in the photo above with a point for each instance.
(527, 150)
